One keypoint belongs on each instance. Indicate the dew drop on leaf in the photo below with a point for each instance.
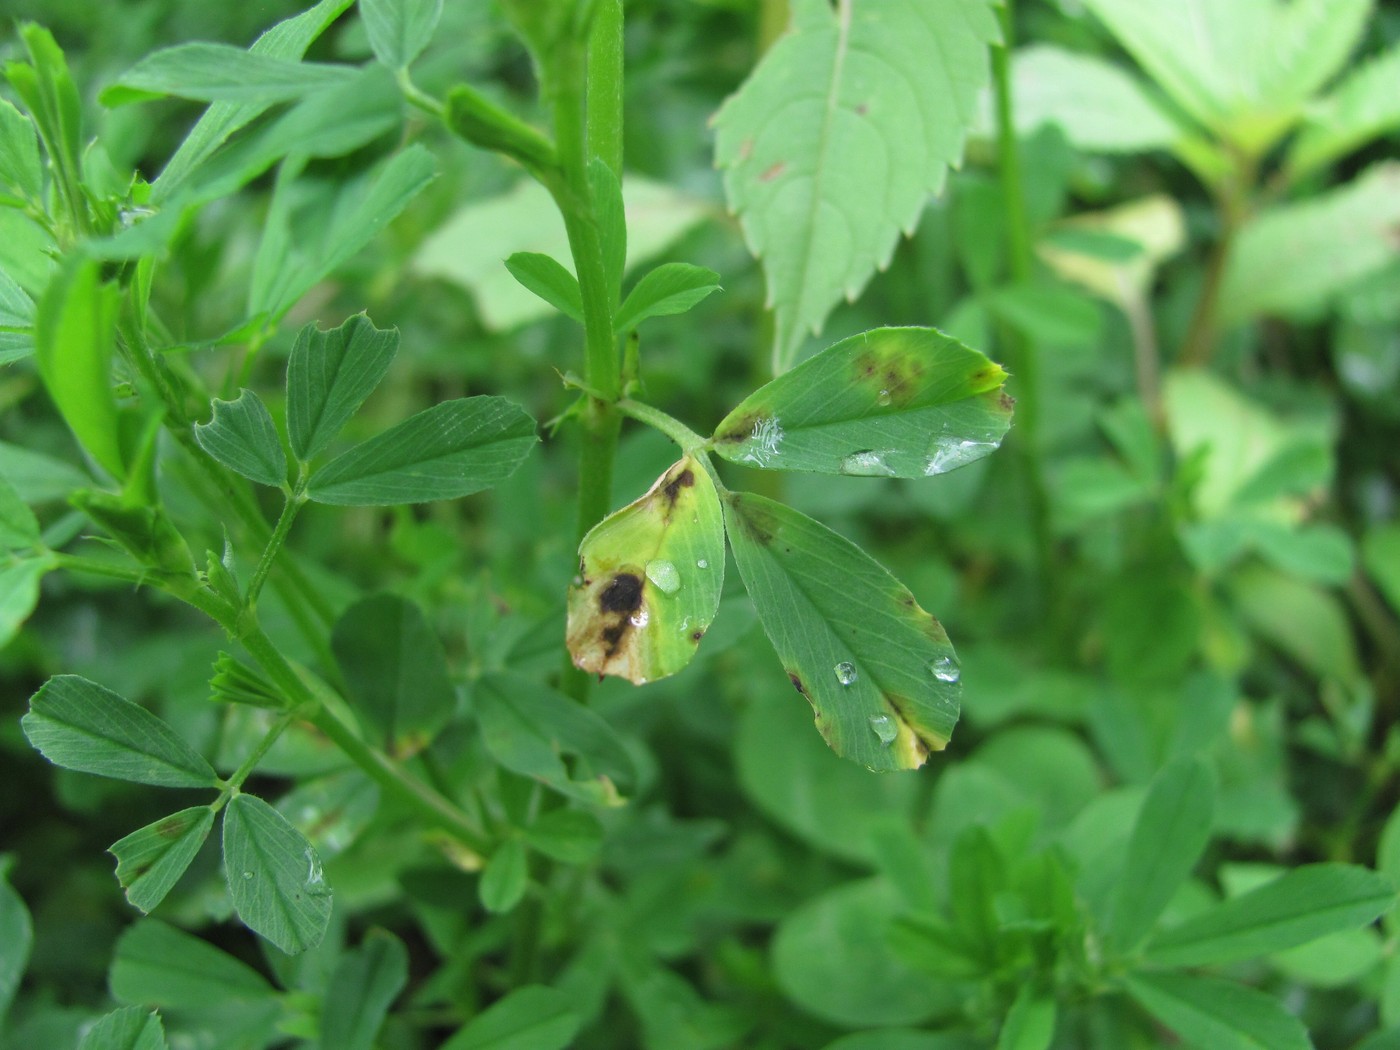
(664, 575)
(945, 669)
(866, 464)
(845, 672)
(884, 728)
(883, 399)
(247, 874)
(640, 618)
(702, 564)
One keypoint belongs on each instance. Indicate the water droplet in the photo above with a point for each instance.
(702, 564)
(664, 575)
(640, 618)
(884, 728)
(762, 443)
(866, 464)
(945, 669)
(883, 399)
(247, 874)
(314, 874)
(845, 672)
(947, 452)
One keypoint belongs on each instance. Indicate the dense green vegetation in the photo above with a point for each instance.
(450, 454)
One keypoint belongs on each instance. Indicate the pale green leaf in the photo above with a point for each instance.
(1364, 105)
(162, 966)
(221, 73)
(18, 526)
(20, 170)
(1320, 553)
(329, 376)
(274, 875)
(151, 859)
(548, 279)
(19, 594)
(365, 984)
(1221, 1015)
(453, 449)
(399, 30)
(16, 939)
(1307, 622)
(879, 672)
(893, 402)
(243, 438)
(79, 725)
(130, 1028)
(1170, 834)
(651, 576)
(528, 1018)
(38, 477)
(671, 288)
(506, 877)
(834, 143)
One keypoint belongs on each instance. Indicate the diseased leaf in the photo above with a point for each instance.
(161, 966)
(399, 30)
(548, 279)
(79, 725)
(221, 73)
(837, 139)
(879, 672)
(1364, 105)
(329, 376)
(130, 1028)
(528, 1018)
(1222, 1015)
(506, 877)
(243, 438)
(453, 449)
(892, 402)
(365, 984)
(274, 876)
(650, 578)
(671, 288)
(151, 859)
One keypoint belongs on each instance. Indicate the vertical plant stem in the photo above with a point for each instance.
(274, 546)
(1199, 345)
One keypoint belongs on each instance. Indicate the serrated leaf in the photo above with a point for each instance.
(836, 140)
(275, 877)
(548, 279)
(506, 877)
(329, 376)
(18, 526)
(130, 1028)
(162, 966)
(529, 1018)
(243, 438)
(16, 939)
(396, 671)
(571, 836)
(151, 859)
(1298, 907)
(650, 580)
(20, 171)
(79, 725)
(450, 450)
(879, 672)
(1168, 838)
(221, 73)
(399, 30)
(365, 984)
(892, 402)
(1222, 1015)
(671, 288)
(1364, 105)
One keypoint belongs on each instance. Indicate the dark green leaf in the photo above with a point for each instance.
(396, 671)
(221, 73)
(893, 402)
(506, 877)
(329, 376)
(79, 725)
(548, 279)
(903, 1039)
(130, 1028)
(1221, 1015)
(243, 438)
(399, 30)
(365, 983)
(151, 860)
(20, 171)
(529, 1018)
(162, 966)
(18, 526)
(16, 939)
(878, 671)
(452, 449)
(671, 288)
(570, 836)
(1380, 551)
(19, 594)
(274, 876)
(1299, 906)
(1030, 1024)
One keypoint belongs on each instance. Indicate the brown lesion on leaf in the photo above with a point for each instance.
(623, 594)
(796, 681)
(740, 430)
(602, 617)
(695, 636)
(895, 378)
(1006, 402)
(756, 522)
(173, 826)
(773, 171)
(672, 489)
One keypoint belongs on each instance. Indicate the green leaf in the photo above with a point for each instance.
(365, 984)
(74, 339)
(452, 449)
(901, 1039)
(1307, 622)
(837, 139)
(151, 859)
(528, 1018)
(16, 320)
(37, 477)
(1168, 838)
(130, 1028)
(1221, 1015)
(399, 30)
(20, 170)
(671, 288)
(243, 438)
(18, 526)
(332, 810)
(548, 279)
(1380, 551)
(528, 727)
(49, 94)
(1049, 313)
(506, 877)
(274, 876)
(396, 671)
(19, 594)
(570, 836)
(161, 966)
(1099, 106)
(878, 671)
(650, 580)
(1030, 1024)
(892, 402)
(79, 725)
(1290, 261)
(329, 376)
(1299, 906)
(1364, 105)
(16, 939)
(1322, 553)
(221, 73)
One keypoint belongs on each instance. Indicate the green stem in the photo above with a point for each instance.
(604, 97)
(98, 567)
(673, 428)
(290, 507)
(244, 771)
